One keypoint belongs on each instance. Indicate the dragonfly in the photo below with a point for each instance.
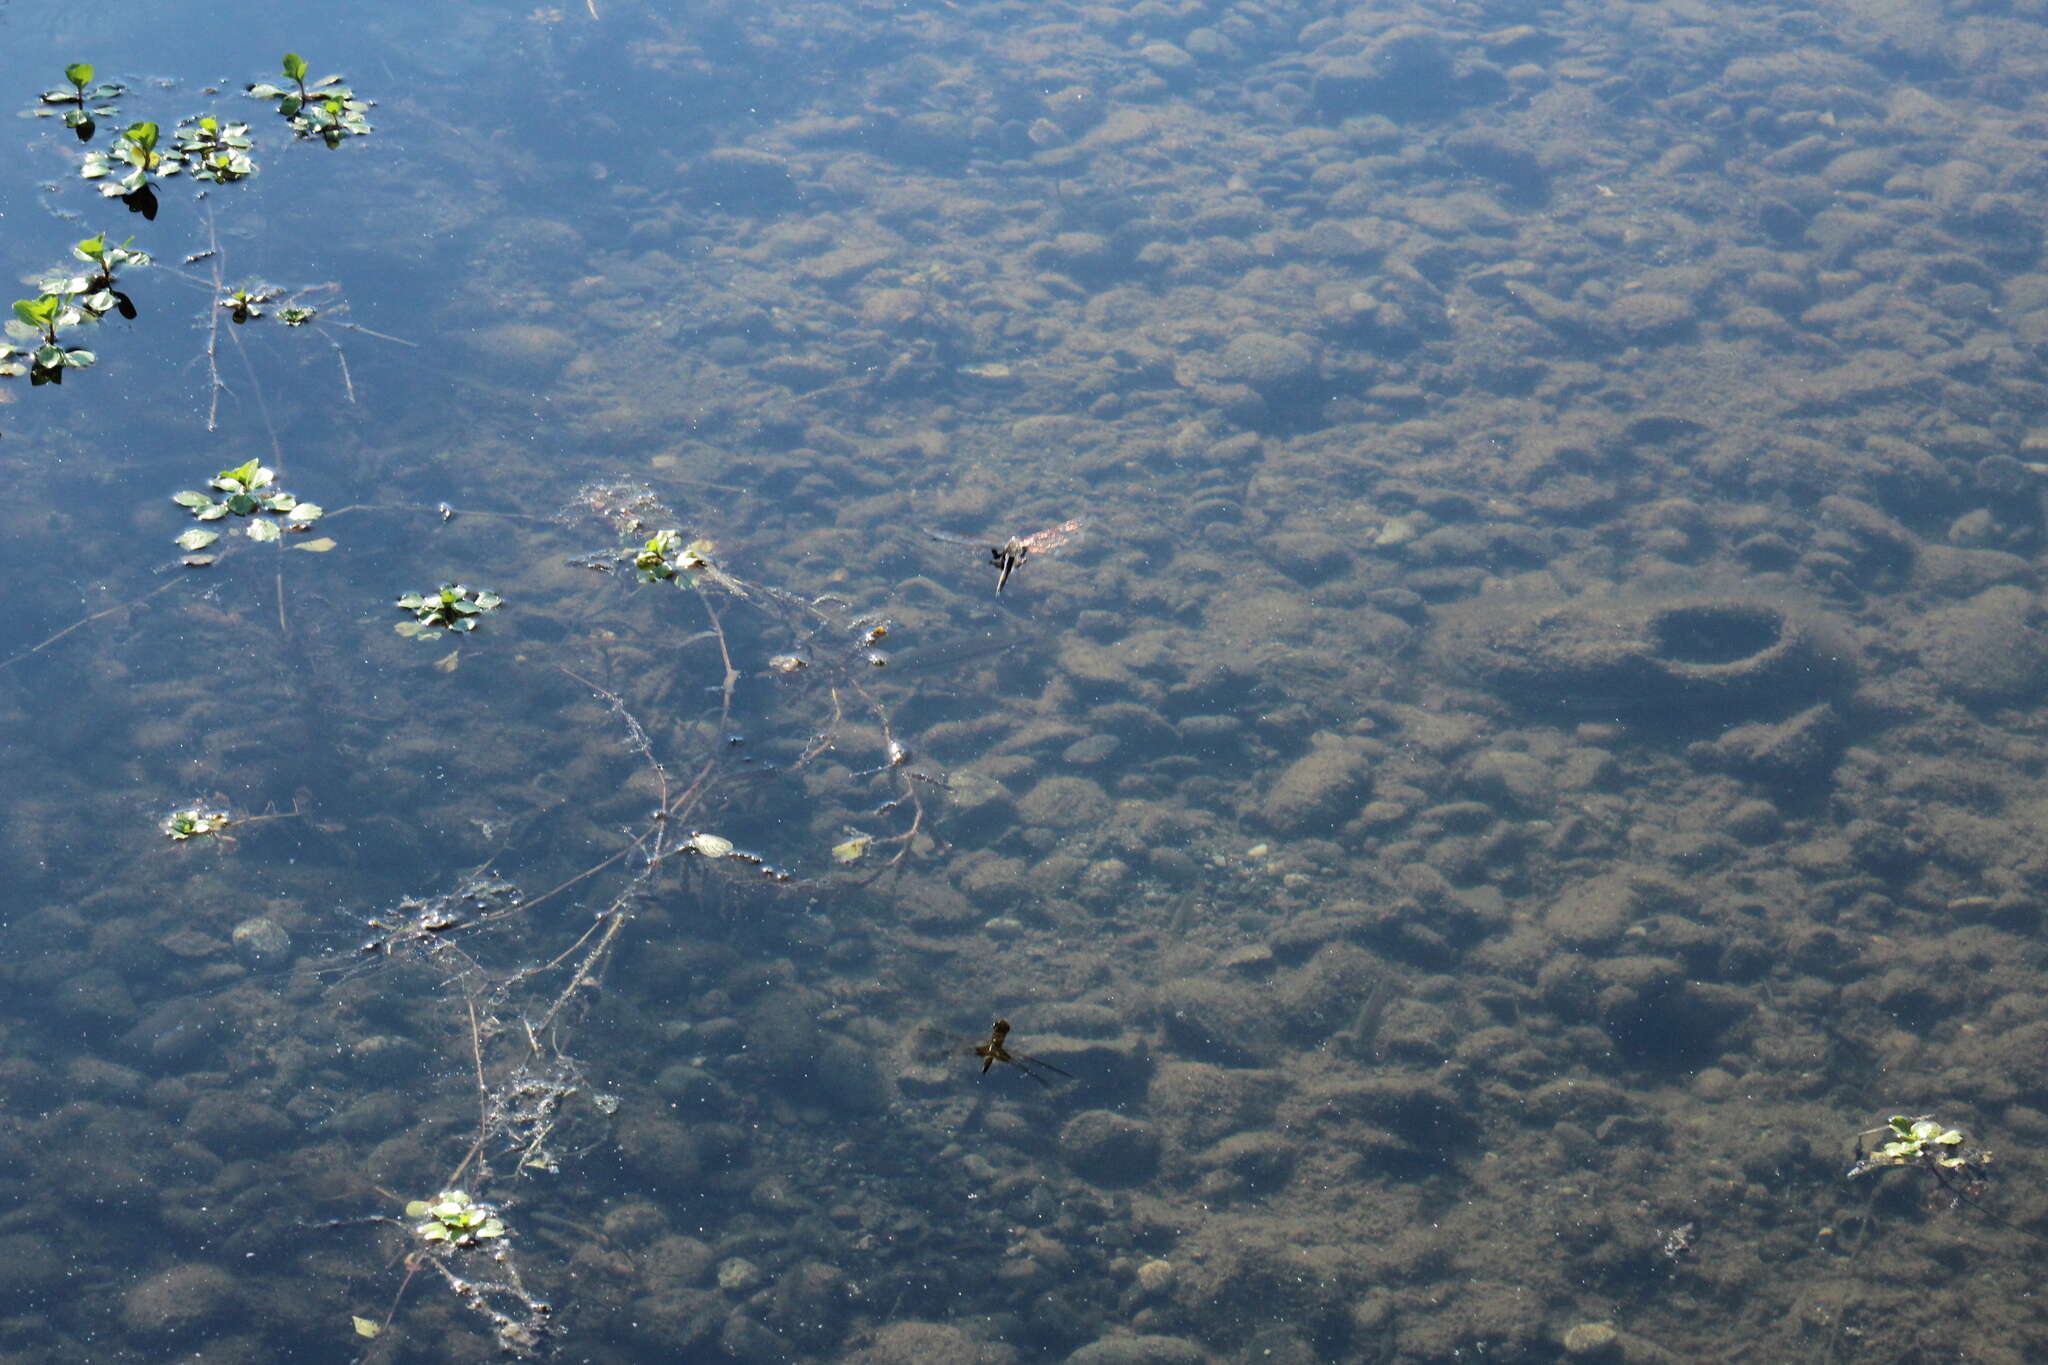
(1009, 556)
(996, 1049)
(935, 1043)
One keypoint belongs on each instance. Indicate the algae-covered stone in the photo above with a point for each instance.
(1320, 789)
(1518, 781)
(1643, 316)
(1067, 804)
(1593, 1341)
(1141, 1350)
(182, 1302)
(1109, 1148)
(1987, 649)
(1216, 1021)
(1801, 746)
(1269, 364)
(920, 1343)
(234, 1124)
(261, 940)
(738, 1275)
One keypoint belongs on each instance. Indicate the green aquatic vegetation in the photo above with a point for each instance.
(135, 157)
(1919, 1144)
(39, 322)
(93, 293)
(82, 102)
(456, 1219)
(245, 304)
(453, 606)
(248, 490)
(1958, 1168)
(194, 822)
(326, 109)
(665, 557)
(130, 168)
(248, 304)
(212, 151)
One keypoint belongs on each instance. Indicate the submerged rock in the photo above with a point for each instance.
(1108, 1148)
(1717, 656)
(1989, 648)
(917, 1343)
(261, 940)
(1145, 1350)
(1321, 788)
(180, 1302)
(1801, 747)
(1275, 366)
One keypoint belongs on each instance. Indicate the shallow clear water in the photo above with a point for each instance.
(1513, 740)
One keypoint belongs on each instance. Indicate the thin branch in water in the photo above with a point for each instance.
(85, 621)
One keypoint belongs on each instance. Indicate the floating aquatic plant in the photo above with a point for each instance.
(245, 304)
(1960, 1170)
(212, 151)
(325, 109)
(82, 102)
(94, 293)
(68, 299)
(1920, 1144)
(453, 1217)
(137, 161)
(195, 822)
(453, 606)
(248, 490)
(252, 302)
(665, 557)
(40, 322)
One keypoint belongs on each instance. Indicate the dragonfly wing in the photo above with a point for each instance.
(1042, 1063)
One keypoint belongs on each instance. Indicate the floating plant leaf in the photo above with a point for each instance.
(305, 514)
(197, 539)
(318, 547)
(853, 850)
(263, 532)
(710, 845)
(192, 822)
(366, 1327)
(454, 606)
